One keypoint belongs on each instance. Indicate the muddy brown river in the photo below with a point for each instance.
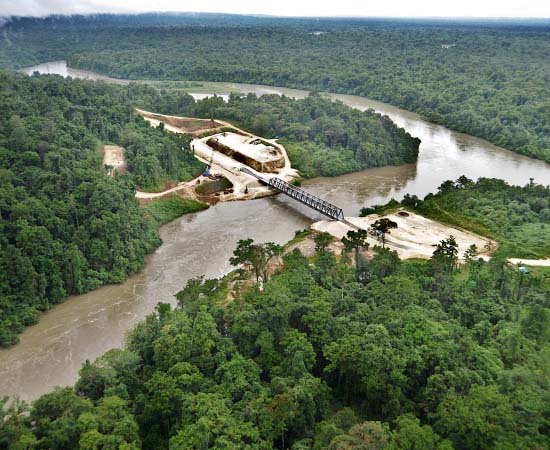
(84, 327)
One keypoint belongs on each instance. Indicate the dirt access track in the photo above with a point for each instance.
(245, 187)
(190, 125)
(530, 262)
(415, 236)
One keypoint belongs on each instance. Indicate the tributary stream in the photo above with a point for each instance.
(86, 326)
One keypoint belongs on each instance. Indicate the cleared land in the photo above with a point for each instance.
(530, 262)
(244, 187)
(190, 125)
(414, 237)
(113, 157)
(248, 150)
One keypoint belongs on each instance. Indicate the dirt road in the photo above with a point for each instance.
(530, 262)
(245, 187)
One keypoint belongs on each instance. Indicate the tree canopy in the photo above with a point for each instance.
(66, 227)
(485, 78)
(404, 357)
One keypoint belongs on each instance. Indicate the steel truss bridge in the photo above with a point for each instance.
(316, 203)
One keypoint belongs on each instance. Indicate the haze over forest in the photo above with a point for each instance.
(344, 8)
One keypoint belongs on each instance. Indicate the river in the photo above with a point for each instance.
(85, 326)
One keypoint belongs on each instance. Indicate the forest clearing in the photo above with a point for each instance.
(113, 158)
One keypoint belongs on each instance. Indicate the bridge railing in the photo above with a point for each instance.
(308, 199)
(314, 202)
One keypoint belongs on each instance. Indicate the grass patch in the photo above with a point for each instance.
(164, 211)
(299, 236)
(540, 272)
(192, 86)
(390, 207)
(184, 175)
(154, 188)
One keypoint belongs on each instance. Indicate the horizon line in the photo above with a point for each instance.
(271, 16)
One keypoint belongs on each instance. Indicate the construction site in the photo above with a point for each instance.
(227, 153)
(251, 151)
(242, 166)
(225, 149)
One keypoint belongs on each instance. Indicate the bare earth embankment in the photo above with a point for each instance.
(415, 236)
(190, 125)
(244, 187)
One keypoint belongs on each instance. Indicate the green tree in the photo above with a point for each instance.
(363, 436)
(255, 255)
(445, 255)
(480, 419)
(382, 227)
(322, 241)
(355, 241)
(411, 435)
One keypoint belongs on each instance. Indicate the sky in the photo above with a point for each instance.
(360, 8)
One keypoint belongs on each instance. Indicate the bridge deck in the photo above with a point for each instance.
(316, 203)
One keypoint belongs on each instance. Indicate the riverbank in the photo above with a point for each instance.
(414, 237)
(169, 209)
(452, 153)
(514, 217)
(225, 88)
(86, 326)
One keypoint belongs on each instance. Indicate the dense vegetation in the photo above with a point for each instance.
(517, 217)
(330, 353)
(166, 210)
(389, 355)
(56, 192)
(486, 79)
(65, 226)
